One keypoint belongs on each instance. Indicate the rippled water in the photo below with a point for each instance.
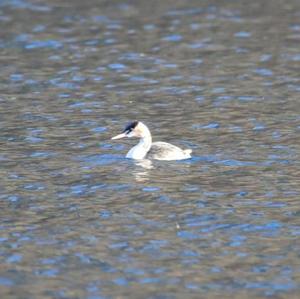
(78, 220)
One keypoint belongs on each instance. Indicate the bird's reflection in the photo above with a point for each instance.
(142, 176)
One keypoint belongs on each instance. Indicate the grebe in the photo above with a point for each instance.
(146, 149)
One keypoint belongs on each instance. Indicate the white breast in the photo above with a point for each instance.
(137, 153)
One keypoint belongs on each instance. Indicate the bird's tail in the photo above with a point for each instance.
(187, 152)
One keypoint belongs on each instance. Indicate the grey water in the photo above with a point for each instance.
(78, 220)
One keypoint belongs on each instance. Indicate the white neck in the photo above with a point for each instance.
(141, 149)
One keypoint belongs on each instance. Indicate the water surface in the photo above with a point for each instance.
(78, 220)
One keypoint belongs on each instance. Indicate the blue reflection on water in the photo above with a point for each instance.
(172, 38)
(264, 72)
(6, 281)
(242, 34)
(52, 44)
(212, 125)
(15, 258)
(104, 159)
(117, 66)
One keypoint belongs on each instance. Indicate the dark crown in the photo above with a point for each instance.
(131, 126)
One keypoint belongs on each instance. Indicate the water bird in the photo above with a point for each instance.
(146, 149)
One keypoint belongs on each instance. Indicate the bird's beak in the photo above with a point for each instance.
(119, 136)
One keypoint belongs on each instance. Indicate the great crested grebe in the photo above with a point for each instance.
(146, 149)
